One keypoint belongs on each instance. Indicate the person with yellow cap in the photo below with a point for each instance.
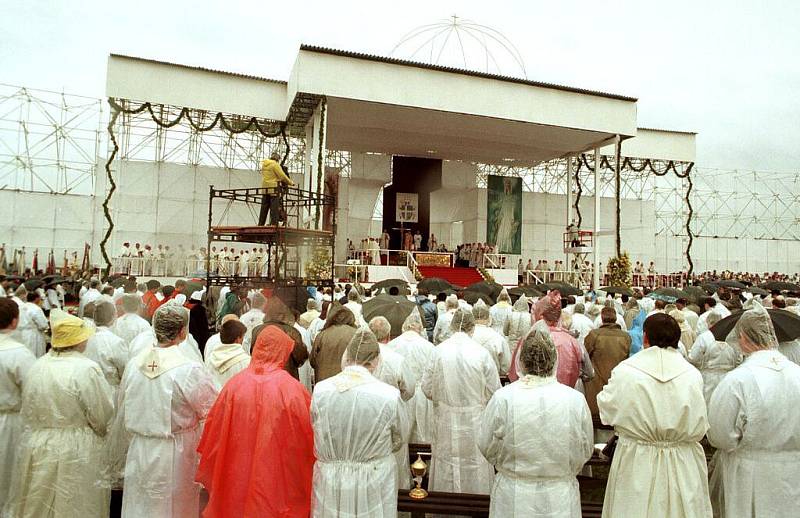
(163, 399)
(66, 405)
(15, 362)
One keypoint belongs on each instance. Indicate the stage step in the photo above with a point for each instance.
(458, 276)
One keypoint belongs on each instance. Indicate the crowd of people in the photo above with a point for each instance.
(288, 413)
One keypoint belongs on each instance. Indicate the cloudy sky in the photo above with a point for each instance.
(728, 72)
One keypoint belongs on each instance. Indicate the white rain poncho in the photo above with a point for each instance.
(146, 340)
(714, 359)
(791, 350)
(655, 402)
(129, 326)
(441, 331)
(110, 352)
(161, 405)
(359, 423)
(67, 405)
(417, 351)
(501, 311)
(163, 399)
(518, 323)
(305, 371)
(538, 435)
(754, 425)
(489, 339)
(31, 328)
(460, 380)
(15, 361)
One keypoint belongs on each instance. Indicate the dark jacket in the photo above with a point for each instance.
(277, 314)
(331, 343)
(607, 347)
(198, 324)
(429, 312)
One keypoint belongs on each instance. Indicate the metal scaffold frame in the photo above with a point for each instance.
(49, 141)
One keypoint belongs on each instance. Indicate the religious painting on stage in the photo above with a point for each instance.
(504, 214)
(406, 207)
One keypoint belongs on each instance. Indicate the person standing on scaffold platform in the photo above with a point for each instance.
(272, 177)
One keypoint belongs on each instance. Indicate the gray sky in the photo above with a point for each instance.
(728, 72)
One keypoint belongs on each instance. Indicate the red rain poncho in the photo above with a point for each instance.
(257, 449)
(569, 352)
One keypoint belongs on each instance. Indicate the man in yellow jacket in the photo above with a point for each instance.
(272, 176)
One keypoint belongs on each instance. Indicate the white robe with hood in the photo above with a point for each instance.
(460, 380)
(359, 424)
(755, 426)
(162, 403)
(15, 362)
(538, 435)
(129, 326)
(226, 361)
(31, 327)
(110, 352)
(417, 352)
(655, 402)
(714, 359)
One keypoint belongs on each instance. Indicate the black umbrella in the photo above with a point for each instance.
(14, 278)
(565, 289)
(757, 291)
(394, 309)
(732, 284)
(436, 285)
(472, 297)
(786, 323)
(618, 290)
(695, 293)
(528, 291)
(386, 284)
(710, 287)
(33, 284)
(118, 282)
(491, 289)
(780, 286)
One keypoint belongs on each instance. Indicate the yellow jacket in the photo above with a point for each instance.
(272, 174)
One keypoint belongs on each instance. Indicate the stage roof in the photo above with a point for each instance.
(384, 105)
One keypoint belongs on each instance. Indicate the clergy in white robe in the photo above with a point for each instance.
(538, 435)
(66, 406)
(581, 324)
(32, 325)
(501, 311)
(130, 324)
(15, 362)
(255, 315)
(460, 380)
(486, 336)
(441, 331)
(713, 358)
(354, 304)
(655, 402)
(228, 359)
(163, 400)
(711, 305)
(393, 371)
(417, 352)
(108, 350)
(754, 423)
(359, 423)
(518, 323)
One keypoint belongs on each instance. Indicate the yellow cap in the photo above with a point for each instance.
(68, 330)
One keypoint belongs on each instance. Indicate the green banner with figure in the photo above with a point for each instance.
(504, 214)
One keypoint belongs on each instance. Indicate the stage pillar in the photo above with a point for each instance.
(569, 205)
(596, 225)
(316, 138)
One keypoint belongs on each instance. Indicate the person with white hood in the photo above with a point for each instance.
(188, 346)
(581, 324)
(130, 324)
(92, 294)
(460, 380)
(66, 407)
(654, 401)
(32, 324)
(713, 358)
(108, 350)
(255, 315)
(489, 339)
(441, 330)
(354, 305)
(15, 362)
(518, 323)
(417, 352)
(753, 422)
(501, 311)
(538, 435)
(359, 423)
(228, 358)
(710, 305)
(163, 400)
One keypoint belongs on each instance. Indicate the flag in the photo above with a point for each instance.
(65, 268)
(3, 260)
(85, 260)
(35, 265)
(51, 263)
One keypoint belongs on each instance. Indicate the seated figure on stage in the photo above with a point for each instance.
(272, 176)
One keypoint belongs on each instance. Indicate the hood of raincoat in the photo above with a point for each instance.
(272, 350)
(663, 364)
(339, 315)
(547, 306)
(226, 356)
(521, 305)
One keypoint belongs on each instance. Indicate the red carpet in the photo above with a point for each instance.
(458, 276)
